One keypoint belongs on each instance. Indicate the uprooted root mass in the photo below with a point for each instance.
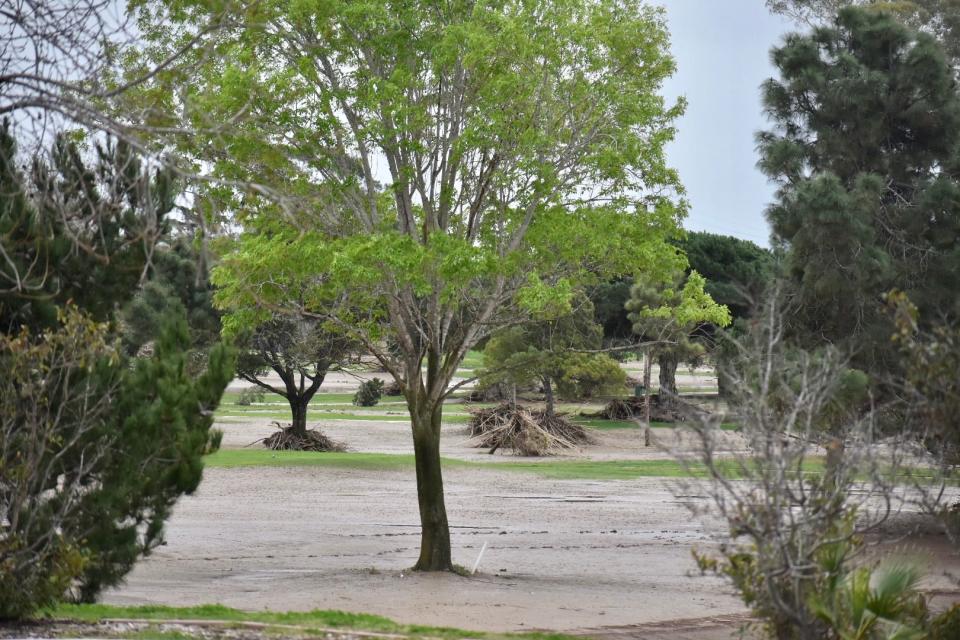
(528, 432)
(675, 411)
(286, 439)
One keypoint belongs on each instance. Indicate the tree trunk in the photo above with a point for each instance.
(298, 409)
(548, 394)
(668, 377)
(434, 530)
(647, 366)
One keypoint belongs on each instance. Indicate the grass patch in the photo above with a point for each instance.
(473, 360)
(230, 458)
(231, 397)
(320, 416)
(555, 469)
(307, 619)
(604, 424)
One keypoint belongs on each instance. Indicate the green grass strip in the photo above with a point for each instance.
(308, 619)
(322, 416)
(556, 469)
(604, 424)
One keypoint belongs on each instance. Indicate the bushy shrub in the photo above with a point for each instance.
(587, 375)
(94, 453)
(249, 396)
(369, 393)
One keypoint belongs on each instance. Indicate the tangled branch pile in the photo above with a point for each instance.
(629, 408)
(286, 439)
(528, 432)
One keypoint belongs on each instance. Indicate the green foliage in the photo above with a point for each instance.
(249, 396)
(737, 271)
(300, 350)
(940, 18)
(867, 120)
(83, 233)
(930, 383)
(369, 393)
(588, 375)
(946, 625)
(551, 352)
(178, 285)
(863, 604)
(64, 371)
(609, 299)
(673, 312)
(94, 448)
(449, 168)
(125, 441)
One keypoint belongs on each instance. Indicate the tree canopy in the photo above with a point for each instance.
(671, 313)
(867, 122)
(554, 353)
(449, 168)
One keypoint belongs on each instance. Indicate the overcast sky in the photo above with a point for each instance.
(722, 53)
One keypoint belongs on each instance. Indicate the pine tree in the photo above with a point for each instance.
(94, 448)
(865, 149)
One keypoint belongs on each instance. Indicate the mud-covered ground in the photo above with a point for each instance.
(599, 557)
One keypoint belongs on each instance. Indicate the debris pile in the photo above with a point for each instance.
(676, 410)
(286, 439)
(528, 432)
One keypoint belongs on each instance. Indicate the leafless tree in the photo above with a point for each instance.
(810, 479)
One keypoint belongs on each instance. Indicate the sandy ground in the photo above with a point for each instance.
(563, 555)
(701, 379)
(604, 558)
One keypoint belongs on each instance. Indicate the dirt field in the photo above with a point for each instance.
(606, 558)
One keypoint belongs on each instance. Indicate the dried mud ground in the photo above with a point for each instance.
(597, 557)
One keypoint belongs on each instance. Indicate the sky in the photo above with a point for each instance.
(722, 52)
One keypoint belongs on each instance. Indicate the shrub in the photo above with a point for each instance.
(369, 393)
(393, 389)
(249, 396)
(94, 454)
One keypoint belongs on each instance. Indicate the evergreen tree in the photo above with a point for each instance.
(675, 314)
(94, 448)
(552, 352)
(737, 271)
(865, 150)
(177, 284)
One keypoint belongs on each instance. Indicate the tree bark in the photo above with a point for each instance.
(435, 531)
(668, 376)
(298, 410)
(548, 394)
(647, 366)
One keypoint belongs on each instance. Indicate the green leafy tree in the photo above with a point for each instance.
(672, 313)
(737, 272)
(301, 351)
(547, 353)
(865, 151)
(448, 168)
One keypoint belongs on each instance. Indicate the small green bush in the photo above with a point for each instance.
(369, 393)
(249, 396)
